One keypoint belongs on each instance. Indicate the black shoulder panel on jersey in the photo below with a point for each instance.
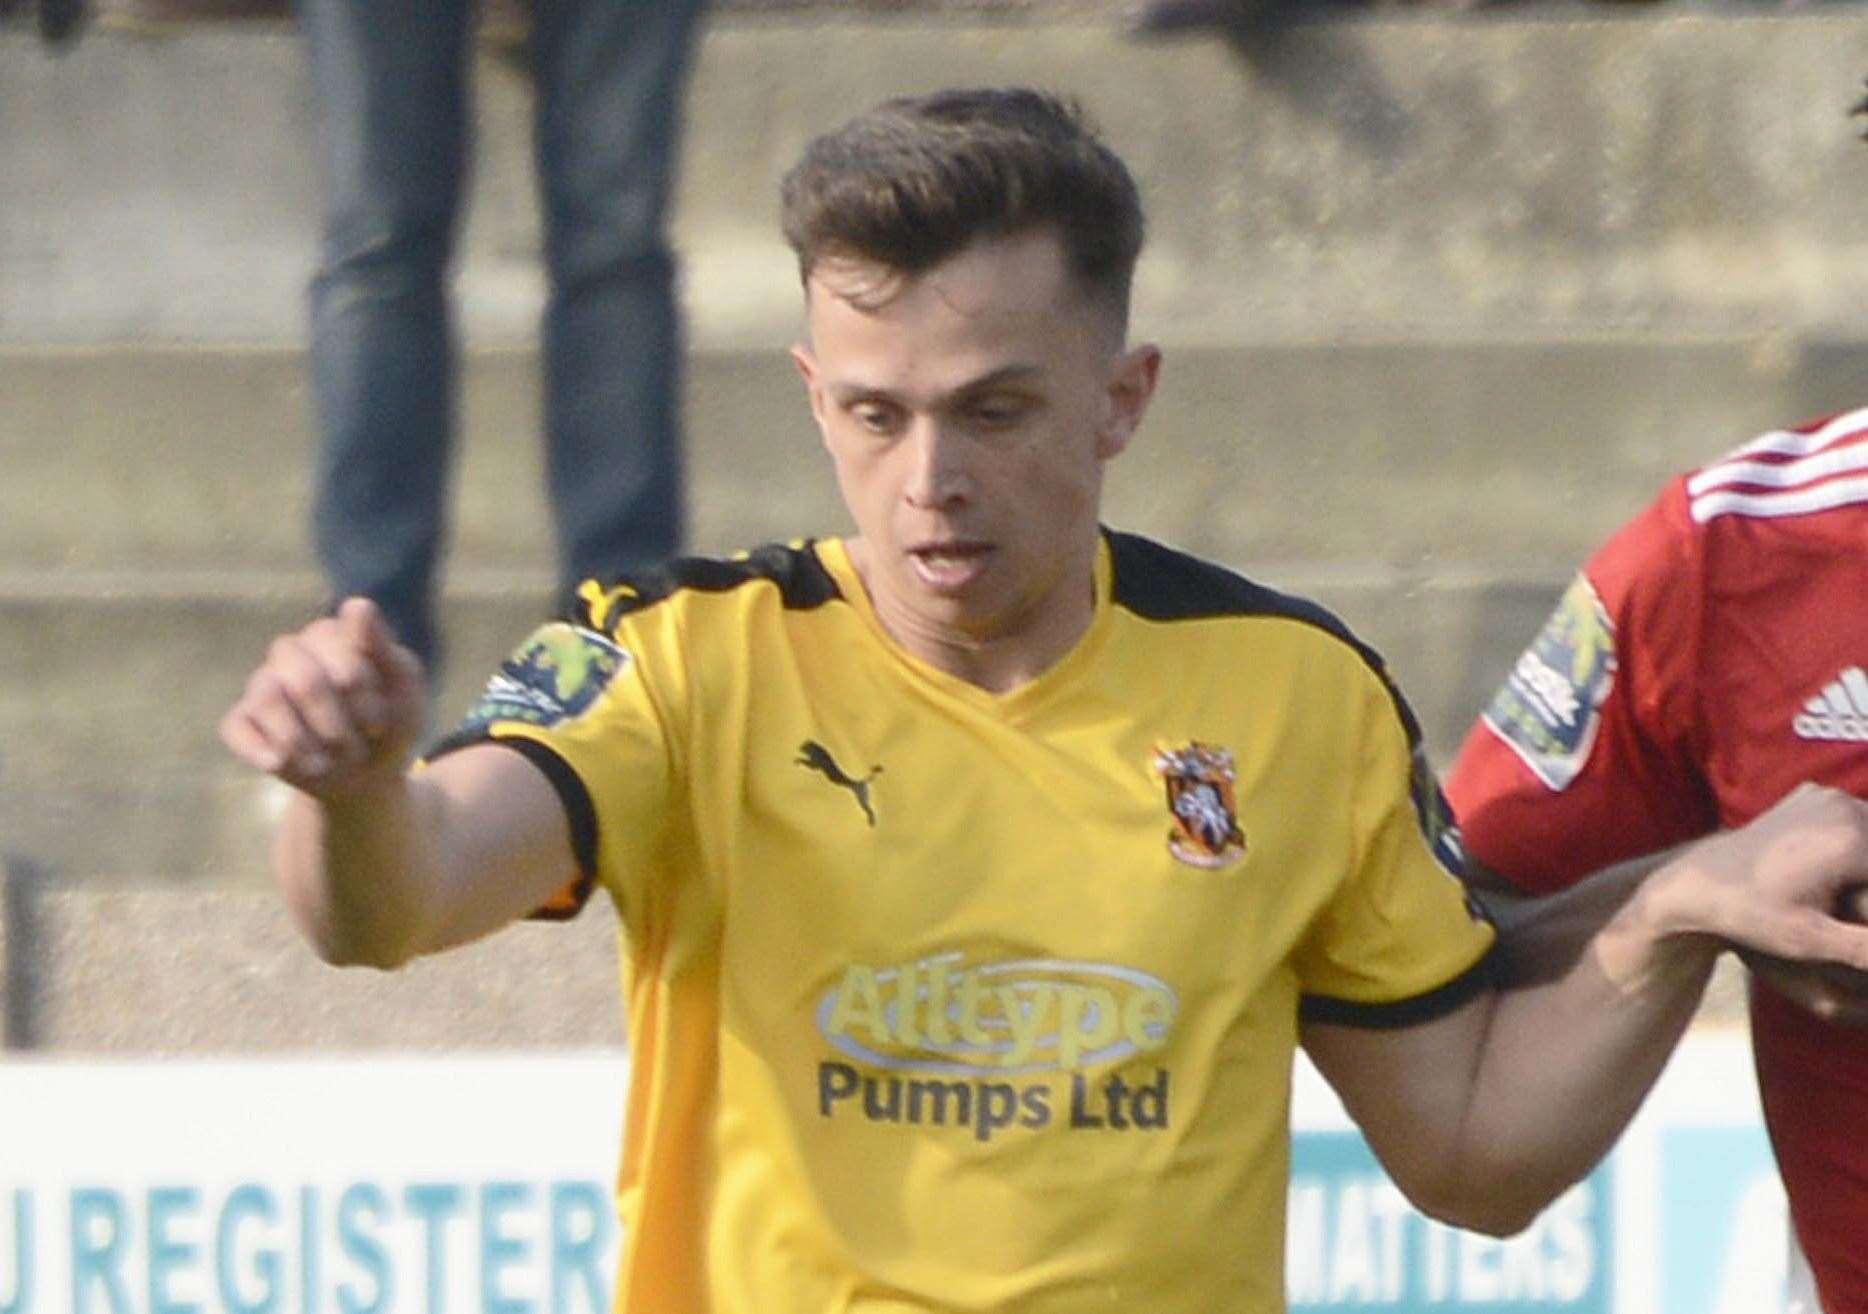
(1161, 583)
(1158, 582)
(802, 581)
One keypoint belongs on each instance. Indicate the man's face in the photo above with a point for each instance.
(969, 413)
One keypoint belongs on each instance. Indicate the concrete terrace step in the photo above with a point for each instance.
(1498, 454)
(104, 971)
(1538, 168)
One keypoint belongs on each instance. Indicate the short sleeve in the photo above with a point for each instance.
(1400, 942)
(581, 705)
(1585, 756)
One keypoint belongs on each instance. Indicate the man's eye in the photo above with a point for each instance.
(873, 417)
(998, 414)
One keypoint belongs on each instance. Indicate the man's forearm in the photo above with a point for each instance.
(1484, 1116)
(357, 872)
(1541, 937)
(410, 865)
(1562, 1067)
(1567, 1062)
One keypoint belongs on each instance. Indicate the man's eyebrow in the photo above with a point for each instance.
(850, 390)
(1018, 372)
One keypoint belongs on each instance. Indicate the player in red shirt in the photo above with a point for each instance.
(1709, 658)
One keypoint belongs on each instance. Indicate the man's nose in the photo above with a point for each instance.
(937, 476)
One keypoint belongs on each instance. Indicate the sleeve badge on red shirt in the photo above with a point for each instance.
(1550, 707)
(1199, 781)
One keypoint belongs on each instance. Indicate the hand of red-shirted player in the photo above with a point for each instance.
(1831, 991)
(1773, 889)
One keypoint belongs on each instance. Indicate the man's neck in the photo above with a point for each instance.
(1000, 662)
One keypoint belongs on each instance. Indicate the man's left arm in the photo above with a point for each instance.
(1485, 1115)
(1542, 936)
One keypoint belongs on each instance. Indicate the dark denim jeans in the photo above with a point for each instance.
(391, 79)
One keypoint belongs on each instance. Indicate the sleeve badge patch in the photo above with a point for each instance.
(555, 674)
(1550, 706)
(1199, 781)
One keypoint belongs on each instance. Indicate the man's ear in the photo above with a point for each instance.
(1132, 379)
(807, 366)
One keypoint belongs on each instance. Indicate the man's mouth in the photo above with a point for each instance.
(947, 567)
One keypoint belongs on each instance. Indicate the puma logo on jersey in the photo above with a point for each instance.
(813, 756)
(1839, 712)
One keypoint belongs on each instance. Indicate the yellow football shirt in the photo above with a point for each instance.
(946, 1000)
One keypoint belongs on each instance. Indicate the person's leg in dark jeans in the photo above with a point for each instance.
(610, 75)
(391, 85)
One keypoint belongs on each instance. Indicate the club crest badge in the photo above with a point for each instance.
(1199, 783)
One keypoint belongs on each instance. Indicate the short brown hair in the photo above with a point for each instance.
(917, 180)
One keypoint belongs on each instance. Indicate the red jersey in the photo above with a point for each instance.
(1710, 657)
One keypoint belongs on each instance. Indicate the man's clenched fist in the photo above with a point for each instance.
(333, 707)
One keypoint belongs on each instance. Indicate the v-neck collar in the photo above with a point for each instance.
(1012, 705)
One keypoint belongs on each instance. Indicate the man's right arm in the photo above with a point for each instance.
(377, 864)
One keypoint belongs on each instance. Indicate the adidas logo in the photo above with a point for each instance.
(1839, 712)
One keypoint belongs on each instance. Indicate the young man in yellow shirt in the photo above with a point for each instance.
(979, 872)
